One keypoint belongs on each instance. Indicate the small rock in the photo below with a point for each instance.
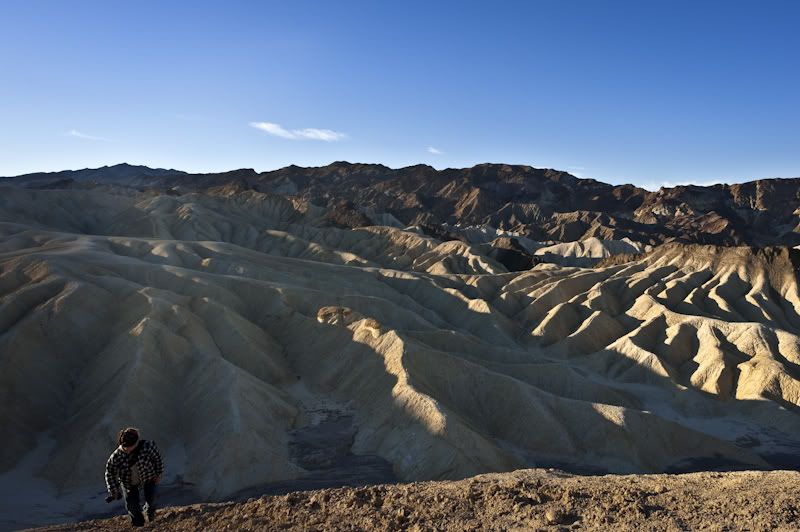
(557, 516)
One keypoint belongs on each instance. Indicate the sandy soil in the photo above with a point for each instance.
(531, 499)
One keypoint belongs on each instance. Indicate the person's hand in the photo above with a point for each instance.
(157, 479)
(113, 497)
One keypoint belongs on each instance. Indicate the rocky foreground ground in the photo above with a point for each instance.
(522, 500)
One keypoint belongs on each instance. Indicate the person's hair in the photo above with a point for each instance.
(128, 436)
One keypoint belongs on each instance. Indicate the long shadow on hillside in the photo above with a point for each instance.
(324, 450)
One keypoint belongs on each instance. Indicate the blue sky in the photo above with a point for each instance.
(647, 92)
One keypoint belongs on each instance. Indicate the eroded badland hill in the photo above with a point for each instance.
(353, 324)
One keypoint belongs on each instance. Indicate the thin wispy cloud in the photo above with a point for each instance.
(309, 133)
(434, 151)
(78, 135)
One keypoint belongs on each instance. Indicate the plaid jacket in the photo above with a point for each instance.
(118, 467)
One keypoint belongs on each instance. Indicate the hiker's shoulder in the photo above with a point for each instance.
(116, 455)
(148, 444)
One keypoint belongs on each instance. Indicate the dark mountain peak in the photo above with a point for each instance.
(126, 165)
(504, 167)
(418, 167)
(104, 173)
(346, 165)
(238, 173)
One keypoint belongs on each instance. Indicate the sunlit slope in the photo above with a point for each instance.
(196, 317)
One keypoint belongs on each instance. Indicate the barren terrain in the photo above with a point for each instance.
(272, 343)
(522, 500)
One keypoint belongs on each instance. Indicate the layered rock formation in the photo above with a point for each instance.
(541, 204)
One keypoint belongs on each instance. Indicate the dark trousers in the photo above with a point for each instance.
(133, 506)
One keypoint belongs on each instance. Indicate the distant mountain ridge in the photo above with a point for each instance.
(542, 204)
(117, 172)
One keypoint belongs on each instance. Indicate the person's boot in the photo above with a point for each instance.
(150, 512)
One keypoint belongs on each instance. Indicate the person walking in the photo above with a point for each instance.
(135, 464)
